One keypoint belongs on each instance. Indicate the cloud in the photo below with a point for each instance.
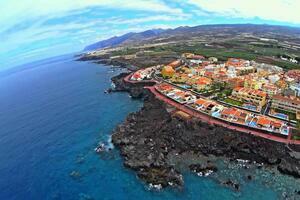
(278, 10)
(30, 27)
(17, 10)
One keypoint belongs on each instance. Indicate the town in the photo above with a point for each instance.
(255, 96)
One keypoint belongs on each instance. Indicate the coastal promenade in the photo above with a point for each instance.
(210, 120)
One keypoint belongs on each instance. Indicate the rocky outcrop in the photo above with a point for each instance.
(136, 90)
(290, 167)
(150, 138)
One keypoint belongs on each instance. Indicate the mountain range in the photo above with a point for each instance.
(220, 31)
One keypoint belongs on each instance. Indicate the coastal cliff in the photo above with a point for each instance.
(151, 139)
(136, 90)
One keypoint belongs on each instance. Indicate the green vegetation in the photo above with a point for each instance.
(292, 116)
(217, 86)
(296, 137)
(126, 51)
(268, 52)
(286, 65)
(298, 125)
(224, 93)
(233, 102)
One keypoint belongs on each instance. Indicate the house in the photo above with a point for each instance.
(271, 124)
(220, 76)
(254, 83)
(229, 113)
(294, 74)
(205, 105)
(208, 74)
(256, 97)
(231, 72)
(164, 88)
(270, 89)
(235, 82)
(200, 103)
(281, 84)
(184, 97)
(274, 78)
(199, 71)
(167, 71)
(179, 78)
(213, 59)
(263, 122)
(136, 76)
(202, 83)
(296, 89)
(235, 62)
(196, 59)
(245, 70)
(187, 55)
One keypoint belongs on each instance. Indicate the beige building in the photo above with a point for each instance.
(256, 97)
(290, 104)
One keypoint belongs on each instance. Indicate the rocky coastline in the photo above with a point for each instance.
(150, 139)
(156, 140)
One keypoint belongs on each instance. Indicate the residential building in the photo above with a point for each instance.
(213, 59)
(179, 78)
(290, 104)
(167, 71)
(270, 89)
(235, 82)
(235, 62)
(274, 78)
(254, 83)
(199, 71)
(294, 74)
(256, 97)
(202, 83)
(296, 89)
(136, 76)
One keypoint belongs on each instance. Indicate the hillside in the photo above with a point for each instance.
(221, 31)
(262, 43)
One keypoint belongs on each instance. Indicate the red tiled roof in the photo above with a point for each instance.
(137, 75)
(250, 91)
(165, 87)
(263, 121)
(200, 101)
(229, 111)
(287, 99)
(203, 81)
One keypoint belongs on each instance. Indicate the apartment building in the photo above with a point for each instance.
(290, 104)
(256, 97)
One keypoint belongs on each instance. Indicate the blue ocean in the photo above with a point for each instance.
(54, 113)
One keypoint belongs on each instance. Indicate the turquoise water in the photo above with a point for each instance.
(52, 116)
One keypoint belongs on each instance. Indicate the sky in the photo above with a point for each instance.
(36, 29)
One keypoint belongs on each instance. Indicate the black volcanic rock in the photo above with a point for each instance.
(148, 139)
(136, 90)
(203, 168)
(232, 184)
(290, 168)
